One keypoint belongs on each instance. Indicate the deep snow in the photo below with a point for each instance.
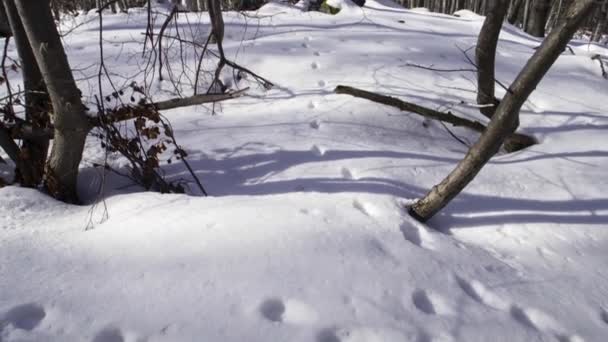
(305, 236)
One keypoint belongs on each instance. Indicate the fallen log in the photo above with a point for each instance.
(514, 142)
(23, 130)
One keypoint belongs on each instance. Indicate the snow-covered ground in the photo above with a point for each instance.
(305, 236)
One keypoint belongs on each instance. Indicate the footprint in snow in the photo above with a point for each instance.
(417, 236)
(109, 334)
(290, 311)
(356, 334)
(431, 303)
(348, 173)
(315, 65)
(315, 124)
(540, 321)
(478, 292)
(273, 309)
(25, 316)
(316, 53)
(322, 83)
(305, 45)
(424, 336)
(604, 315)
(366, 208)
(318, 151)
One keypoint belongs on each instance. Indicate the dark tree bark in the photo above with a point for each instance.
(514, 11)
(539, 13)
(5, 29)
(506, 118)
(485, 56)
(601, 22)
(69, 118)
(33, 151)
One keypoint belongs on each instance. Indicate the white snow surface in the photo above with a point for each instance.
(305, 236)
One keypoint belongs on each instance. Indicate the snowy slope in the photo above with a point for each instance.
(305, 237)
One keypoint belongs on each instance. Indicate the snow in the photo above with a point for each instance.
(305, 236)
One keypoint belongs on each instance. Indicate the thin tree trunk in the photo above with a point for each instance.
(485, 56)
(506, 118)
(514, 11)
(69, 118)
(538, 18)
(37, 104)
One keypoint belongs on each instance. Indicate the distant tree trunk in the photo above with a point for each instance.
(561, 13)
(69, 118)
(485, 55)
(514, 11)
(5, 29)
(33, 152)
(506, 118)
(601, 23)
(538, 18)
(192, 5)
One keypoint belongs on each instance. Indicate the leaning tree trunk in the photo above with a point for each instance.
(538, 18)
(485, 56)
(69, 118)
(30, 167)
(506, 118)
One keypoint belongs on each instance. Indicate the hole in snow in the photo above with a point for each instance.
(109, 334)
(26, 316)
(273, 309)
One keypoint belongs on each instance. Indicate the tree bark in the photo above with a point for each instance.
(514, 11)
(34, 152)
(506, 118)
(485, 56)
(538, 18)
(513, 142)
(69, 117)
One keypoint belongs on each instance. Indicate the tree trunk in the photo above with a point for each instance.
(5, 29)
(69, 118)
(602, 22)
(192, 5)
(538, 18)
(485, 56)
(37, 104)
(514, 11)
(506, 118)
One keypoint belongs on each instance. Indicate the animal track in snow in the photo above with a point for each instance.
(315, 65)
(109, 334)
(322, 83)
(424, 336)
(348, 173)
(604, 315)
(273, 309)
(357, 334)
(417, 236)
(541, 321)
(289, 311)
(319, 151)
(430, 303)
(315, 124)
(481, 294)
(316, 53)
(25, 316)
(365, 207)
